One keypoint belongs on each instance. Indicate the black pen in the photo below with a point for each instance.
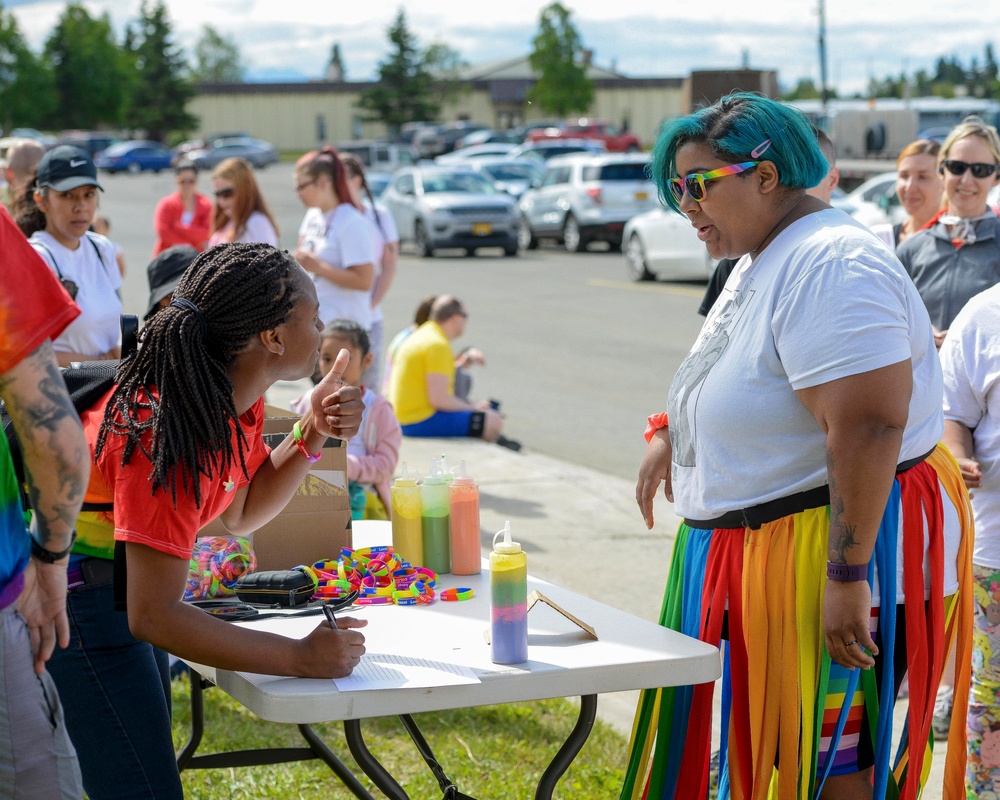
(328, 612)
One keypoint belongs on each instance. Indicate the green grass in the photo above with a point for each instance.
(491, 753)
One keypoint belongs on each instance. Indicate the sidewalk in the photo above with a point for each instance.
(581, 529)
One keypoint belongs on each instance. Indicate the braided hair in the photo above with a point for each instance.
(356, 169)
(174, 398)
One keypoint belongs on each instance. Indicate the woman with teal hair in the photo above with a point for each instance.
(809, 523)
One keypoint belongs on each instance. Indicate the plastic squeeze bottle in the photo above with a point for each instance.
(466, 554)
(434, 518)
(407, 533)
(508, 600)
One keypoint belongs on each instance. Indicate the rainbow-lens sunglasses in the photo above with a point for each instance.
(694, 184)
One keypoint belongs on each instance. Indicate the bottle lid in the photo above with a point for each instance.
(506, 546)
(462, 478)
(404, 479)
(434, 478)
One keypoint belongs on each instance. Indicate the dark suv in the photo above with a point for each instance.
(91, 141)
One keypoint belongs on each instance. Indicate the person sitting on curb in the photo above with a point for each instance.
(422, 385)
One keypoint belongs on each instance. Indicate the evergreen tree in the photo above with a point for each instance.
(88, 69)
(161, 92)
(27, 89)
(562, 86)
(404, 91)
(217, 59)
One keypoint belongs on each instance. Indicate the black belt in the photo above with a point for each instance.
(89, 572)
(756, 516)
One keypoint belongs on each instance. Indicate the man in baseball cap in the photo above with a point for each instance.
(66, 167)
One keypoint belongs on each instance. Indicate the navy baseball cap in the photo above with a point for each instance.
(66, 167)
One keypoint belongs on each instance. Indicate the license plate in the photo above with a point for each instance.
(642, 195)
(482, 229)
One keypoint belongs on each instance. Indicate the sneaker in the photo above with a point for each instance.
(941, 721)
(510, 444)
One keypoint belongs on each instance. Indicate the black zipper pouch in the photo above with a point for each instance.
(286, 588)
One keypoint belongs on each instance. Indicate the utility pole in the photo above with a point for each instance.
(824, 93)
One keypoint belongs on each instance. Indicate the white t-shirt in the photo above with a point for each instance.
(341, 238)
(386, 234)
(93, 268)
(824, 301)
(258, 229)
(970, 359)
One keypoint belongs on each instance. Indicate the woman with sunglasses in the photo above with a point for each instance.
(184, 217)
(241, 214)
(957, 256)
(65, 201)
(792, 548)
(336, 242)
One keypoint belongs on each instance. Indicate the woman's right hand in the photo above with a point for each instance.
(655, 470)
(972, 473)
(330, 652)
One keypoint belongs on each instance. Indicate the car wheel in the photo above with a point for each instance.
(424, 248)
(635, 260)
(134, 168)
(525, 236)
(573, 240)
(512, 249)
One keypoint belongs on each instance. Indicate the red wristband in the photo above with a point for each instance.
(300, 443)
(653, 423)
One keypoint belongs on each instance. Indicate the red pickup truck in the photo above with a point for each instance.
(616, 141)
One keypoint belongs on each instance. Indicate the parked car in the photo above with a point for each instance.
(44, 139)
(472, 152)
(585, 198)
(432, 142)
(875, 201)
(544, 150)
(661, 243)
(91, 141)
(488, 136)
(615, 140)
(436, 206)
(511, 175)
(255, 151)
(380, 156)
(377, 181)
(134, 157)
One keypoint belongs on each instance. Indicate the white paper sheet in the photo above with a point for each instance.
(390, 671)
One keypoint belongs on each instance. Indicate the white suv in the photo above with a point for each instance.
(586, 198)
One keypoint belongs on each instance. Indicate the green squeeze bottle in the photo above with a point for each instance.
(407, 528)
(435, 510)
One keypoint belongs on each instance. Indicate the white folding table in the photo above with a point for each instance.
(564, 661)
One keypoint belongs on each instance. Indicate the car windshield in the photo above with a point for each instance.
(464, 182)
(636, 171)
(511, 172)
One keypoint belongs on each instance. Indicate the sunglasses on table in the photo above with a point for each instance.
(223, 194)
(978, 170)
(694, 184)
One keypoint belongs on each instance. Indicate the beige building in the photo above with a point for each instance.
(300, 116)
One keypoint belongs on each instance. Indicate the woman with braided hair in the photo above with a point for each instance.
(336, 243)
(177, 443)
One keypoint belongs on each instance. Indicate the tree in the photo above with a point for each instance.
(160, 93)
(562, 86)
(27, 89)
(88, 69)
(405, 88)
(335, 71)
(445, 66)
(217, 59)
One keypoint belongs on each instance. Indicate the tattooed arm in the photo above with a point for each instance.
(57, 463)
(863, 417)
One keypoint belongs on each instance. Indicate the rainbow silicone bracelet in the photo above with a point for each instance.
(300, 443)
(453, 595)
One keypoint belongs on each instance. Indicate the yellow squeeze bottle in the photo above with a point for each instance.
(407, 536)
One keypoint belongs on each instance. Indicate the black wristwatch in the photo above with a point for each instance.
(47, 556)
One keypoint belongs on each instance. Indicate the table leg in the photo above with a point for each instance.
(186, 758)
(372, 767)
(573, 744)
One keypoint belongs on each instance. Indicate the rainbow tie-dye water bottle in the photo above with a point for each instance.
(508, 600)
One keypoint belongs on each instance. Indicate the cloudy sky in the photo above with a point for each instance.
(636, 37)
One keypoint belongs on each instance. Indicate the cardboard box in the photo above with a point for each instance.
(316, 523)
